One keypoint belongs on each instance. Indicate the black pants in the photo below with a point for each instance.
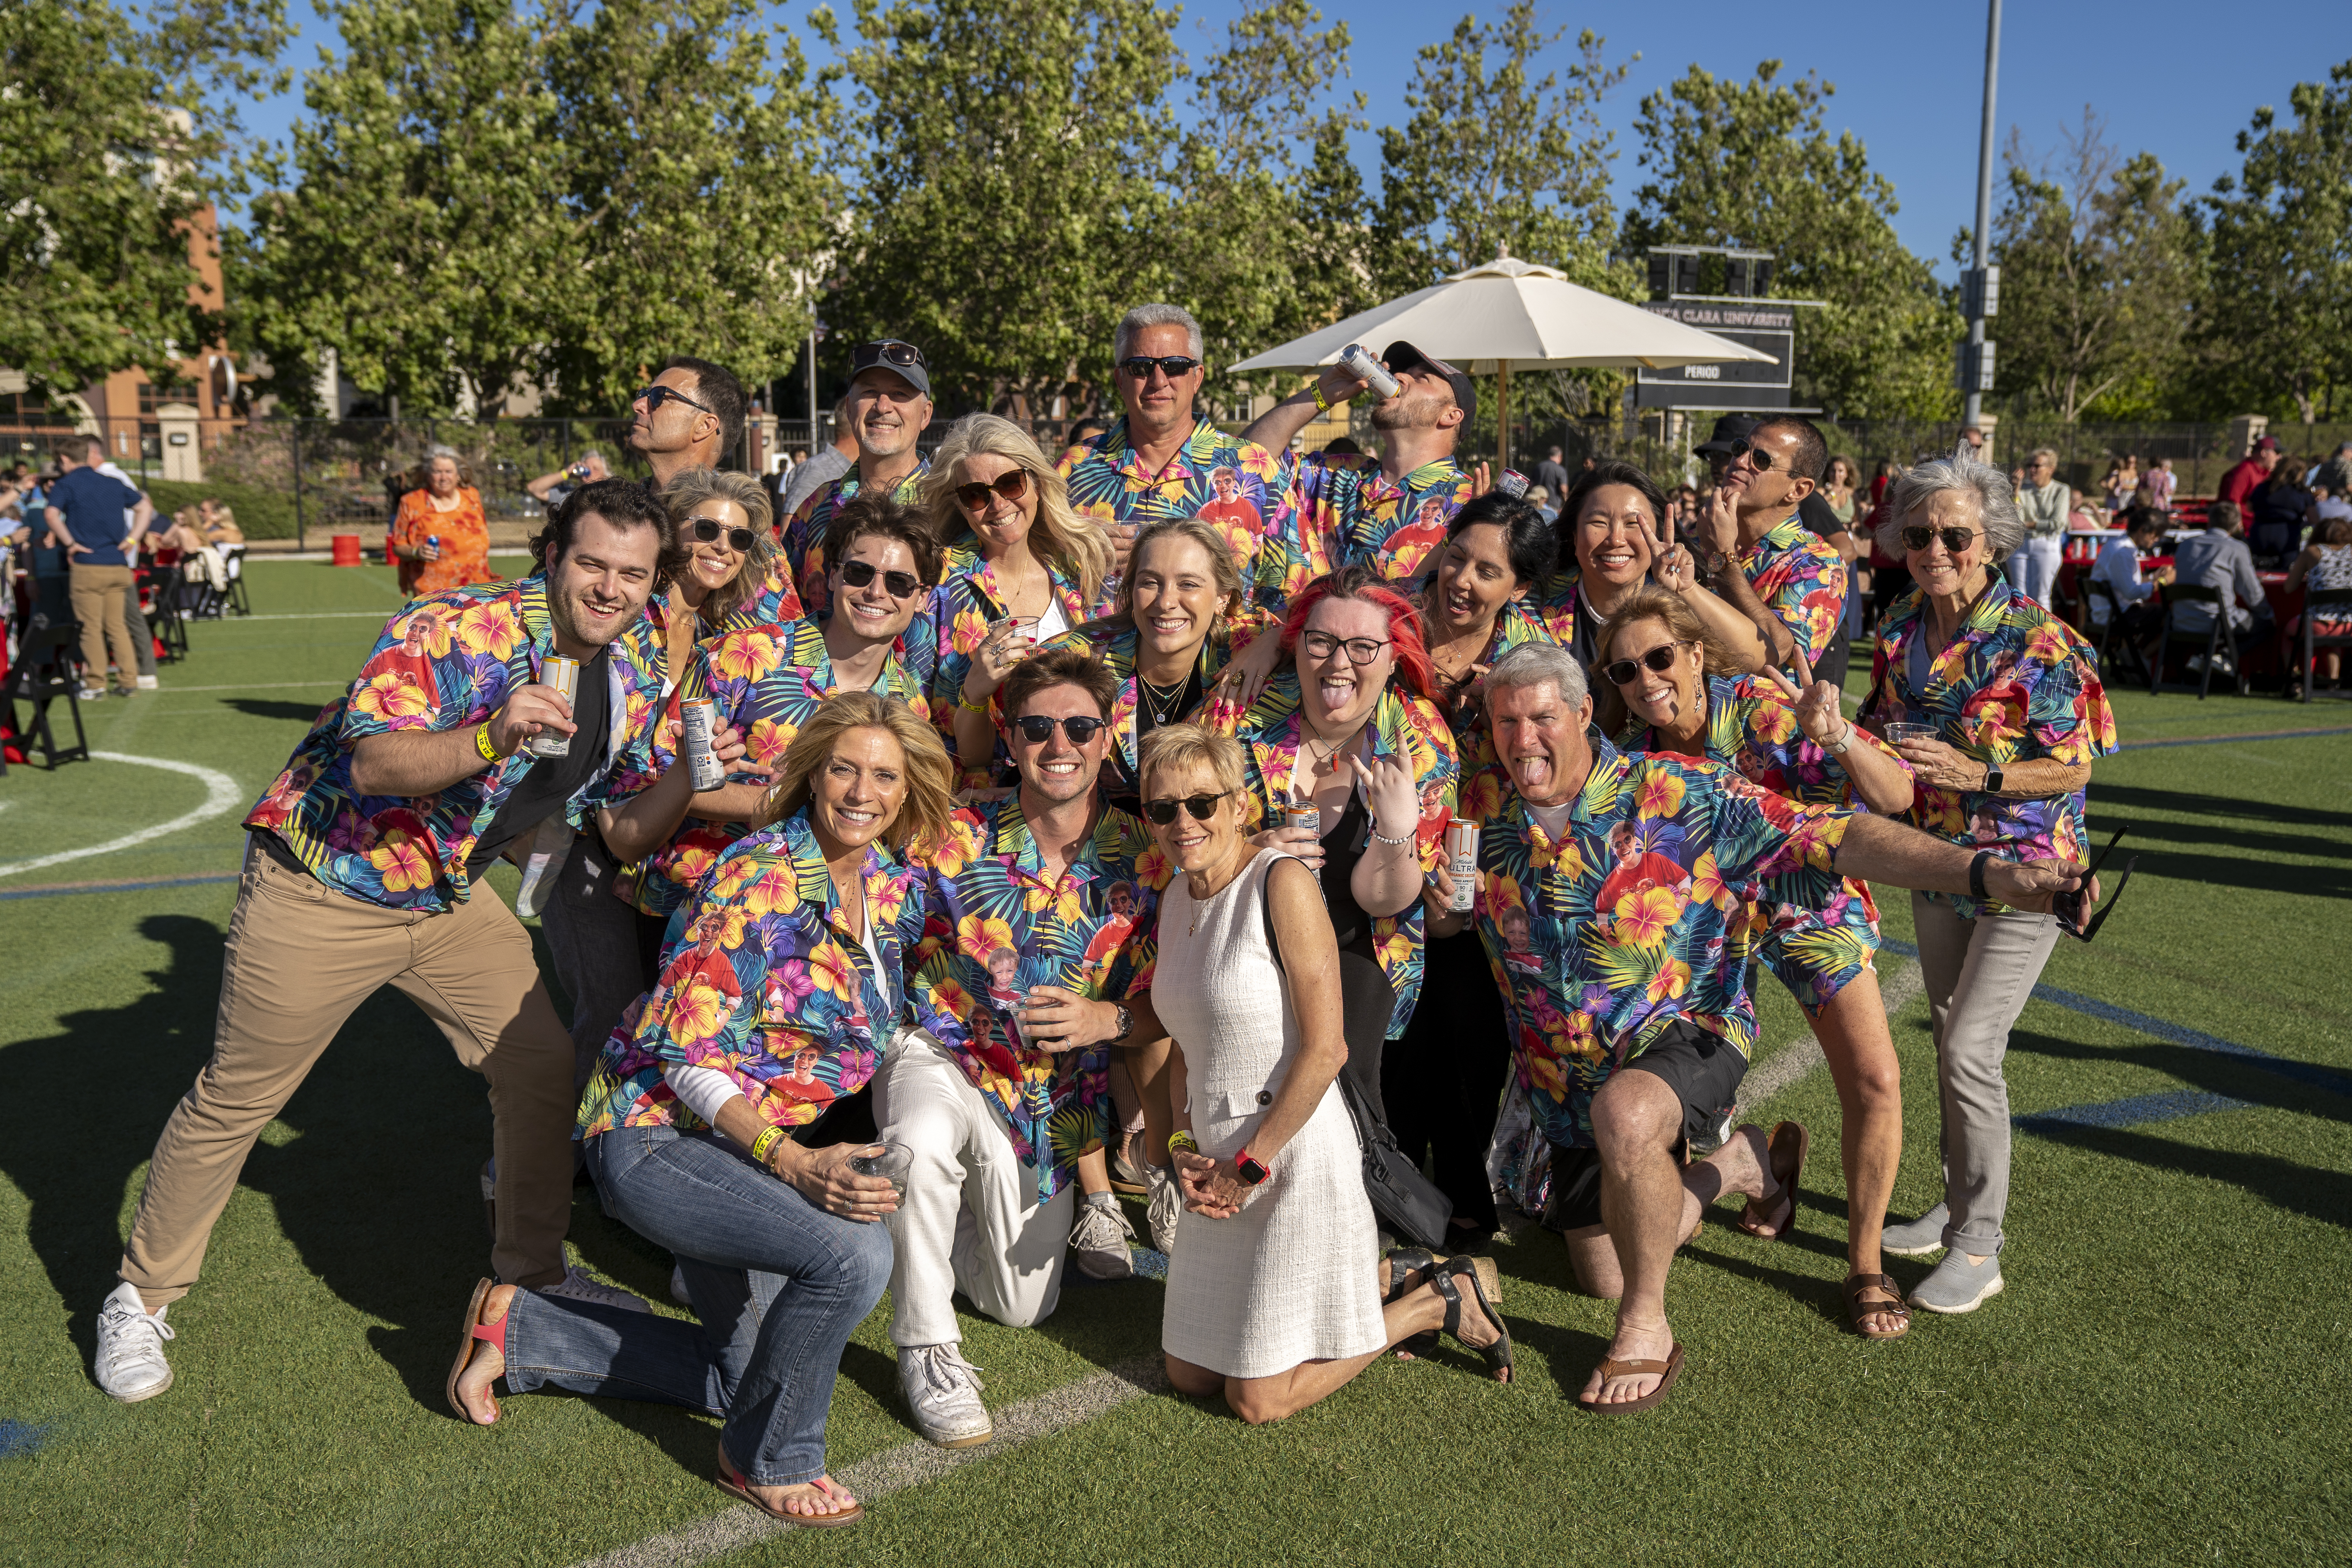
(1442, 1080)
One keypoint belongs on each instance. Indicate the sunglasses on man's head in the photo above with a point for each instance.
(707, 531)
(1170, 365)
(1011, 485)
(1038, 728)
(654, 397)
(898, 585)
(1918, 536)
(1163, 812)
(889, 351)
(1626, 671)
(1758, 458)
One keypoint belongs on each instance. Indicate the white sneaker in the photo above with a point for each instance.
(1100, 1238)
(1166, 1208)
(577, 1286)
(131, 1365)
(677, 1291)
(148, 683)
(942, 1389)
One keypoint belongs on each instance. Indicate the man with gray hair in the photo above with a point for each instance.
(1156, 461)
(1615, 904)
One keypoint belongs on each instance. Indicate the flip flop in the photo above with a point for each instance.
(1669, 1369)
(1497, 1355)
(1786, 1149)
(730, 1482)
(476, 1329)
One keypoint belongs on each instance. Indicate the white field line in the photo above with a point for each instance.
(221, 796)
(1896, 988)
(906, 1466)
(378, 615)
(263, 686)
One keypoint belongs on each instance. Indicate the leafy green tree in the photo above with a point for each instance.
(1749, 165)
(2098, 268)
(115, 137)
(2277, 326)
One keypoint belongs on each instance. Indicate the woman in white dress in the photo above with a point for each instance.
(1276, 1293)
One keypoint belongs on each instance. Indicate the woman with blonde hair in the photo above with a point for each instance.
(726, 531)
(703, 1125)
(440, 537)
(1021, 568)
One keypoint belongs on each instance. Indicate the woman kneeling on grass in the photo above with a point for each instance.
(776, 1006)
(1275, 1298)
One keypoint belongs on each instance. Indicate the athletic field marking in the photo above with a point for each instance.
(377, 615)
(1784, 1069)
(221, 796)
(61, 889)
(2222, 739)
(267, 686)
(906, 1466)
(2132, 1113)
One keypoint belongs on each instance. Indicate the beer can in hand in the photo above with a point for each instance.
(1512, 483)
(1357, 362)
(698, 724)
(1462, 863)
(1305, 813)
(562, 675)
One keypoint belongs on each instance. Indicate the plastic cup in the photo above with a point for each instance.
(891, 1161)
(1899, 731)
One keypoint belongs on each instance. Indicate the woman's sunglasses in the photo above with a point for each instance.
(898, 584)
(1038, 728)
(1626, 671)
(1012, 486)
(709, 531)
(1918, 536)
(1163, 812)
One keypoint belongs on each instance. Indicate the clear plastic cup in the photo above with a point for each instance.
(891, 1161)
(1900, 731)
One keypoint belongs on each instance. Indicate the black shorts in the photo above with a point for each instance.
(1703, 1070)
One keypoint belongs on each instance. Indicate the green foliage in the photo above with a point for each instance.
(261, 511)
(114, 140)
(1750, 164)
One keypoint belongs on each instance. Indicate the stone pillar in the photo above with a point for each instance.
(2244, 431)
(1989, 424)
(184, 460)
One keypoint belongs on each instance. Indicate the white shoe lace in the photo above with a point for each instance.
(1165, 1208)
(945, 1369)
(1100, 1229)
(577, 1286)
(122, 1347)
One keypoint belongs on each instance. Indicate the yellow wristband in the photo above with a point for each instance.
(768, 1138)
(1322, 404)
(1184, 1140)
(482, 744)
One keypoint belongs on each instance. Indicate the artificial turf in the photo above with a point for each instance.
(2164, 1380)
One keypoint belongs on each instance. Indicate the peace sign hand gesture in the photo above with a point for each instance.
(1816, 702)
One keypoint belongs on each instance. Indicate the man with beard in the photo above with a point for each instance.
(888, 407)
(362, 869)
(1389, 513)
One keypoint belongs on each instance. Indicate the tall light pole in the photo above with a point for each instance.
(1981, 290)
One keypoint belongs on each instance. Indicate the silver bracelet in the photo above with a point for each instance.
(1379, 838)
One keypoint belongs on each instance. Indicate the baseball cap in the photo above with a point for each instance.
(1731, 428)
(902, 359)
(2267, 444)
(1402, 355)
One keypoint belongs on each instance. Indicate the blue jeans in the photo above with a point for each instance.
(778, 1283)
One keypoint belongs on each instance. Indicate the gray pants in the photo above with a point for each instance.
(1979, 973)
(594, 940)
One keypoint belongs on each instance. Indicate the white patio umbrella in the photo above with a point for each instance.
(1507, 313)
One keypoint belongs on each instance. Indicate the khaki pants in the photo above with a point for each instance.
(99, 593)
(301, 958)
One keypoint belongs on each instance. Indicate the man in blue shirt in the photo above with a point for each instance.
(86, 519)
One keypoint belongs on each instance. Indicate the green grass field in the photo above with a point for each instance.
(2165, 1380)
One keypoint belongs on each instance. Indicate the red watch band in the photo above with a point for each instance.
(1244, 1165)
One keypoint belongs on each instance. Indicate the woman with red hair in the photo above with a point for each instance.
(1352, 730)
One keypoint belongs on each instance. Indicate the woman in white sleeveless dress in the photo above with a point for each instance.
(1274, 1288)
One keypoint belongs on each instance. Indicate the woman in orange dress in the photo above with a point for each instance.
(447, 509)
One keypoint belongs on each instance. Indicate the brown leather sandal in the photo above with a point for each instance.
(1856, 1308)
(1786, 1149)
(1670, 1369)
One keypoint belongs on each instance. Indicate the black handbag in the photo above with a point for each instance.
(1408, 1203)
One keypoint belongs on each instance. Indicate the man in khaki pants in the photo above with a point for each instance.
(361, 871)
(87, 520)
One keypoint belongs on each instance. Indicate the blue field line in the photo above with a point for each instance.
(2224, 740)
(19, 1438)
(59, 892)
(2174, 1033)
(2132, 1113)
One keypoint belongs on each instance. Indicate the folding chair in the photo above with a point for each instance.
(43, 673)
(2096, 591)
(2222, 635)
(159, 596)
(2312, 641)
(233, 564)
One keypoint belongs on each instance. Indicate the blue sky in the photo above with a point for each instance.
(2172, 78)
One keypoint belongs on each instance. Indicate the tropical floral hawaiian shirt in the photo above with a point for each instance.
(994, 927)
(450, 659)
(2019, 683)
(776, 604)
(963, 606)
(1800, 577)
(1751, 729)
(804, 536)
(767, 682)
(1236, 485)
(1348, 512)
(1114, 643)
(1403, 725)
(1514, 623)
(769, 985)
(1638, 917)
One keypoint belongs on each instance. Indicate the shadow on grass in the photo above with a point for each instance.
(303, 713)
(2218, 808)
(2287, 1085)
(2252, 870)
(2306, 1190)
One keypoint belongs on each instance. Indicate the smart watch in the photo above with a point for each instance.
(1992, 780)
(1252, 1172)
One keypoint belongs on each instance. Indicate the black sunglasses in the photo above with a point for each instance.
(2068, 907)
(898, 584)
(1170, 365)
(1163, 812)
(654, 397)
(889, 350)
(707, 530)
(1038, 728)
(1918, 536)
(1626, 671)
(1011, 485)
(1758, 458)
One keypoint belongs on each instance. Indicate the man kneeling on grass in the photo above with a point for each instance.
(361, 870)
(1040, 914)
(1631, 877)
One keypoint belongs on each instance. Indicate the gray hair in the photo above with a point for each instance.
(1536, 663)
(1144, 316)
(2040, 452)
(1996, 503)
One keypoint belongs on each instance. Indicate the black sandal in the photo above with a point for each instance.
(1417, 1262)
(1497, 1356)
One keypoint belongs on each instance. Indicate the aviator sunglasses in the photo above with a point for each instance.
(898, 585)
(1163, 812)
(1918, 536)
(707, 531)
(1038, 728)
(1758, 457)
(1011, 485)
(1626, 671)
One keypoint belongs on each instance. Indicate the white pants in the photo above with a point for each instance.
(2032, 569)
(971, 1219)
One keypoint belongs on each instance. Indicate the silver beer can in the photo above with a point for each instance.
(698, 727)
(1512, 483)
(1305, 813)
(1358, 360)
(1462, 863)
(562, 675)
